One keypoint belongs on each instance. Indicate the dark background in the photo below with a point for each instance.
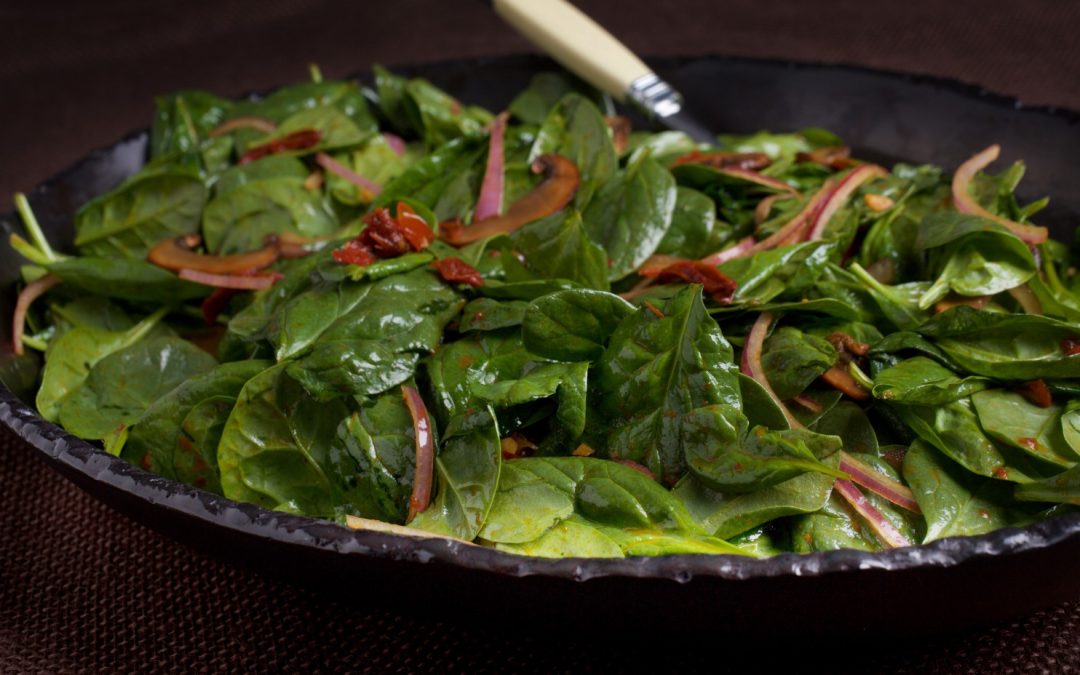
(84, 589)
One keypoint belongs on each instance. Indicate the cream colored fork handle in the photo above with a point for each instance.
(575, 41)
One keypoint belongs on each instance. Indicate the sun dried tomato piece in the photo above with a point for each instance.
(717, 285)
(414, 227)
(354, 252)
(1071, 346)
(1037, 392)
(383, 236)
(457, 271)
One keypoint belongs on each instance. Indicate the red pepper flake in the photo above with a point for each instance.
(1029, 443)
(354, 252)
(1001, 472)
(457, 271)
(717, 285)
(297, 140)
(1037, 393)
(1071, 346)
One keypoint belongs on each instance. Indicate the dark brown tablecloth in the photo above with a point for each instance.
(83, 589)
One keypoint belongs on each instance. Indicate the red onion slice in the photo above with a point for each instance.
(793, 230)
(878, 483)
(741, 249)
(333, 166)
(965, 202)
(246, 122)
(33, 290)
(396, 143)
(751, 363)
(751, 176)
(489, 203)
(425, 452)
(252, 282)
(881, 526)
(840, 196)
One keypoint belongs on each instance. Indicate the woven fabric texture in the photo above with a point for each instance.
(84, 589)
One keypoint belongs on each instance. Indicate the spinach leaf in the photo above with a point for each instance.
(572, 325)
(126, 279)
(847, 420)
(727, 515)
(428, 179)
(953, 428)
(336, 129)
(1004, 346)
(575, 129)
(834, 527)
(1063, 488)
(695, 232)
(494, 367)
(182, 119)
(439, 117)
(488, 314)
(379, 437)
(287, 101)
(71, 356)
(239, 220)
(1011, 419)
(921, 381)
(374, 160)
(278, 450)
(630, 215)
(271, 166)
(787, 270)
(779, 146)
(793, 359)
(146, 208)
(725, 454)
(545, 90)
(572, 537)
(406, 311)
(155, 439)
(759, 407)
(537, 493)
(468, 468)
(557, 247)
(656, 369)
(120, 386)
(953, 501)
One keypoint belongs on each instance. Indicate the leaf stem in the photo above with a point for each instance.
(33, 228)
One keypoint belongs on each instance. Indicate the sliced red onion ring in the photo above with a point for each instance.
(396, 143)
(965, 202)
(252, 282)
(33, 290)
(881, 526)
(878, 483)
(751, 363)
(246, 122)
(794, 229)
(739, 250)
(489, 203)
(751, 176)
(333, 166)
(425, 452)
(840, 196)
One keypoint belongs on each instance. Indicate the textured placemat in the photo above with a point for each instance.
(84, 589)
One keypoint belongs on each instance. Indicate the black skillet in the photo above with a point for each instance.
(945, 585)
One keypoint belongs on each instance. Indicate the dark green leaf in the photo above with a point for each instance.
(1013, 420)
(793, 359)
(572, 325)
(921, 381)
(575, 129)
(557, 247)
(242, 218)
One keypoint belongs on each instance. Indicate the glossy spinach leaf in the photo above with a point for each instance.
(272, 166)
(557, 247)
(575, 129)
(121, 385)
(336, 129)
(1011, 419)
(242, 218)
(631, 214)
(278, 450)
(953, 501)
(71, 356)
(727, 515)
(850, 422)
(1064, 488)
(455, 165)
(793, 359)
(183, 119)
(656, 369)
(375, 160)
(155, 440)
(545, 90)
(834, 527)
(1004, 346)
(487, 314)
(126, 279)
(567, 382)
(725, 454)
(787, 270)
(572, 325)
(468, 468)
(695, 231)
(922, 381)
(146, 208)
(759, 407)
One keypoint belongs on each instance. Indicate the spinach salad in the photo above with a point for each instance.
(545, 332)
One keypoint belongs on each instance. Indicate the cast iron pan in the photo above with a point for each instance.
(945, 585)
